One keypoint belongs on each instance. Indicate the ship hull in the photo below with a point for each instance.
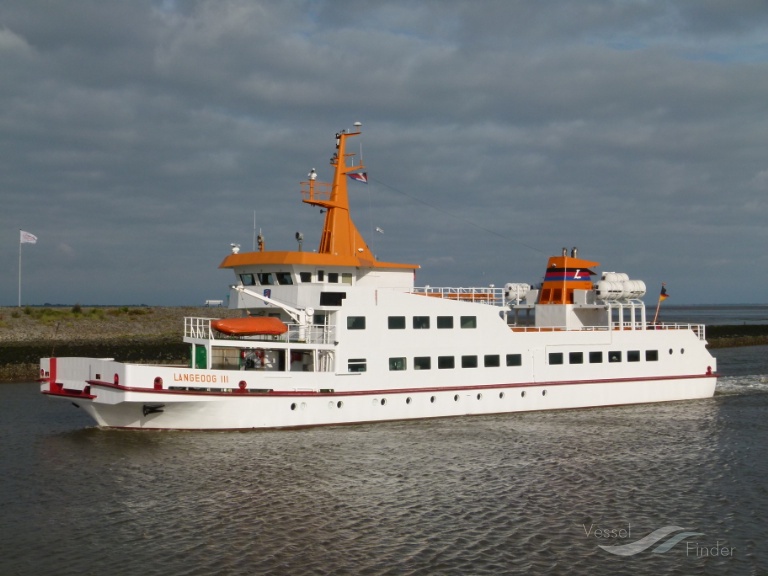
(116, 406)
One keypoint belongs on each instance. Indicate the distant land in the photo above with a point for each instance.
(154, 334)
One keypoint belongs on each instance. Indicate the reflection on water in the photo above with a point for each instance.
(522, 493)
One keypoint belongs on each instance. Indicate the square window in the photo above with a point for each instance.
(575, 357)
(555, 357)
(355, 322)
(305, 276)
(633, 356)
(444, 362)
(397, 363)
(420, 322)
(469, 322)
(445, 321)
(422, 363)
(614, 356)
(396, 322)
(595, 357)
(356, 365)
(491, 361)
(514, 360)
(469, 361)
(652, 355)
(333, 277)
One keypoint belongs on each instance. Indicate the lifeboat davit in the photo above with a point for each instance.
(250, 326)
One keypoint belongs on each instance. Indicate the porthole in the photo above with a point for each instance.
(543, 392)
(682, 350)
(522, 394)
(383, 401)
(432, 399)
(670, 350)
(479, 396)
(408, 400)
(293, 406)
(501, 395)
(339, 404)
(330, 405)
(455, 397)
(303, 405)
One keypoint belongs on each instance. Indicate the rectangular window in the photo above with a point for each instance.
(575, 357)
(356, 365)
(321, 275)
(346, 278)
(555, 357)
(332, 298)
(633, 356)
(396, 322)
(514, 360)
(595, 357)
(247, 279)
(355, 322)
(651, 355)
(420, 322)
(469, 361)
(397, 363)
(284, 278)
(614, 356)
(469, 322)
(422, 363)
(305, 276)
(445, 321)
(265, 278)
(333, 277)
(491, 361)
(444, 362)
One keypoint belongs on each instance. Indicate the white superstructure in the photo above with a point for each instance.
(336, 336)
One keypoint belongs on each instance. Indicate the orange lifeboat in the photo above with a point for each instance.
(250, 326)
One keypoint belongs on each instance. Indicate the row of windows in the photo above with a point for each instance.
(597, 357)
(417, 322)
(286, 278)
(443, 362)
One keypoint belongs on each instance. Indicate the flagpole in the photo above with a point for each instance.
(20, 243)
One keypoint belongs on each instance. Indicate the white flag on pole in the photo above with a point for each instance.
(27, 238)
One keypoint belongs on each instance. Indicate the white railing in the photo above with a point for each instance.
(698, 329)
(200, 328)
(483, 295)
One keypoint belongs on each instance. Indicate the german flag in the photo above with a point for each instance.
(663, 296)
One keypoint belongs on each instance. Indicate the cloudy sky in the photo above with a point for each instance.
(138, 139)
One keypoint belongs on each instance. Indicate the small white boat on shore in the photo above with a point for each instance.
(336, 336)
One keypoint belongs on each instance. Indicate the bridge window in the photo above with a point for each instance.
(445, 321)
(266, 278)
(321, 275)
(332, 298)
(305, 276)
(346, 278)
(284, 278)
(333, 277)
(422, 363)
(247, 279)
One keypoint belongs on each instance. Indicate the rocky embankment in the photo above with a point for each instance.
(127, 333)
(154, 335)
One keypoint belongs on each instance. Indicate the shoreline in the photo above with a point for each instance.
(154, 335)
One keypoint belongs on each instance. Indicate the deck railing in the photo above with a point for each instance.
(698, 329)
(493, 296)
(200, 328)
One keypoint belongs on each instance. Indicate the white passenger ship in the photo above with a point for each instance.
(336, 336)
